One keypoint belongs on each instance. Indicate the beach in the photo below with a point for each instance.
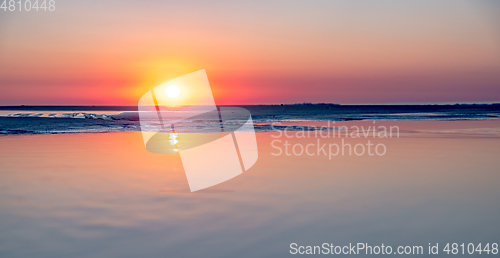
(249, 129)
(105, 195)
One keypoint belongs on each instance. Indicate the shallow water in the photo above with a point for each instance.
(80, 119)
(104, 195)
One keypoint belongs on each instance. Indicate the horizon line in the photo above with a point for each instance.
(287, 104)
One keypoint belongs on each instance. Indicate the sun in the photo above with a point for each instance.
(172, 91)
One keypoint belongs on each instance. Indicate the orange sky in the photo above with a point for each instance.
(254, 52)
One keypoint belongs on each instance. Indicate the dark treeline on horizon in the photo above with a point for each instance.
(305, 106)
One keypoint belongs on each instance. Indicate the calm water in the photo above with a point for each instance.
(104, 195)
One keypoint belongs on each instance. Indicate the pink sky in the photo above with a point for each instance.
(254, 52)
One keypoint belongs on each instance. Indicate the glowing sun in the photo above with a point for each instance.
(172, 91)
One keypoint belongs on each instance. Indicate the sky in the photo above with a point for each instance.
(254, 52)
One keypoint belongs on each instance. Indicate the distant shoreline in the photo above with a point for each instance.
(334, 105)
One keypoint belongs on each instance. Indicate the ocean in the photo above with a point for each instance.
(79, 182)
(81, 119)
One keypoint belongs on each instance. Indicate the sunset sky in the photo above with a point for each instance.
(254, 52)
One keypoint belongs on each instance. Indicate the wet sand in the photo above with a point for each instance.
(104, 195)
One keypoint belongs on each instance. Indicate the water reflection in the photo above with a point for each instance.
(104, 195)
